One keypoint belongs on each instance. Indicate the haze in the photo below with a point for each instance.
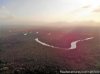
(50, 11)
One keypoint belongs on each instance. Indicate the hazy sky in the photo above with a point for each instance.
(49, 10)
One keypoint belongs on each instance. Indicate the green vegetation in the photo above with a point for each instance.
(23, 55)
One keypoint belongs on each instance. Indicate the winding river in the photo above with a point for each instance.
(73, 44)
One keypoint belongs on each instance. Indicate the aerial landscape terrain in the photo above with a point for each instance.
(49, 36)
(49, 50)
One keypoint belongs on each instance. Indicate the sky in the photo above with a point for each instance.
(30, 11)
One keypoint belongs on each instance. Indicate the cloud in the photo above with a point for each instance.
(97, 10)
(5, 13)
(87, 6)
(81, 8)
